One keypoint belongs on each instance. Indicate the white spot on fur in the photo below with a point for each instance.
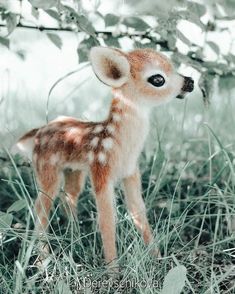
(107, 143)
(73, 131)
(98, 129)
(90, 156)
(116, 117)
(110, 128)
(94, 141)
(54, 159)
(102, 157)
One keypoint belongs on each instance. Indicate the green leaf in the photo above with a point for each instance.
(197, 21)
(182, 37)
(174, 281)
(198, 9)
(136, 23)
(171, 41)
(17, 205)
(112, 42)
(44, 4)
(111, 20)
(5, 220)
(85, 25)
(214, 47)
(84, 48)
(35, 12)
(54, 14)
(11, 21)
(5, 42)
(55, 39)
(230, 58)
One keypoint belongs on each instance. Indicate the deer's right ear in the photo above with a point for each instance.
(110, 66)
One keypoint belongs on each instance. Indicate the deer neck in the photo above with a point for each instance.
(131, 120)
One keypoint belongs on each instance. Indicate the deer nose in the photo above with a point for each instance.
(188, 84)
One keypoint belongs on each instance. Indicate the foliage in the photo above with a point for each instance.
(163, 32)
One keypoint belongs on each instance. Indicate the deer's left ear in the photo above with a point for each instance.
(110, 66)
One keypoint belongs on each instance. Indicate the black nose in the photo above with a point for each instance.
(188, 84)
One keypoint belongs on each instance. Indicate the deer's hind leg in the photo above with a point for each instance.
(48, 179)
(74, 183)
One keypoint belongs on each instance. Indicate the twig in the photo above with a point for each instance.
(144, 35)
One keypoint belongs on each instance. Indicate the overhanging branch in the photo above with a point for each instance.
(144, 35)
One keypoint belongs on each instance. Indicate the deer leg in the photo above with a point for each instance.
(74, 182)
(48, 180)
(105, 201)
(136, 207)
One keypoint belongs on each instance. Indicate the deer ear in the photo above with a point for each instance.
(110, 66)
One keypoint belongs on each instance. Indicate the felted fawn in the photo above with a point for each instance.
(109, 150)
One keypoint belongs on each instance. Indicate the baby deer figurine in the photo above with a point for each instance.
(109, 150)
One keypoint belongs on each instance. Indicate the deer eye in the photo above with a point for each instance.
(156, 80)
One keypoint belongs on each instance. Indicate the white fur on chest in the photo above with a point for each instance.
(133, 136)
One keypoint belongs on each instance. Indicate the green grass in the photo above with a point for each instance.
(188, 178)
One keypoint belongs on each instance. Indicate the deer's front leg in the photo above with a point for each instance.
(104, 195)
(136, 206)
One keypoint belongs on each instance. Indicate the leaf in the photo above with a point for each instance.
(136, 23)
(214, 47)
(54, 14)
(35, 12)
(171, 41)
(174, 280)
(17, 205)
(85, 25)
(11, 21)
(55, 39)
(112, 42)
(111, 20)
(182, 37)
(198, 9)
(5, 220)
(230, 58)
(44, 4)
(5, 42)
(84, 48)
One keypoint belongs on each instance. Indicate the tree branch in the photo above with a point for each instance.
(144, 35)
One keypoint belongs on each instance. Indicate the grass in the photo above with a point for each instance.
(188, 180)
